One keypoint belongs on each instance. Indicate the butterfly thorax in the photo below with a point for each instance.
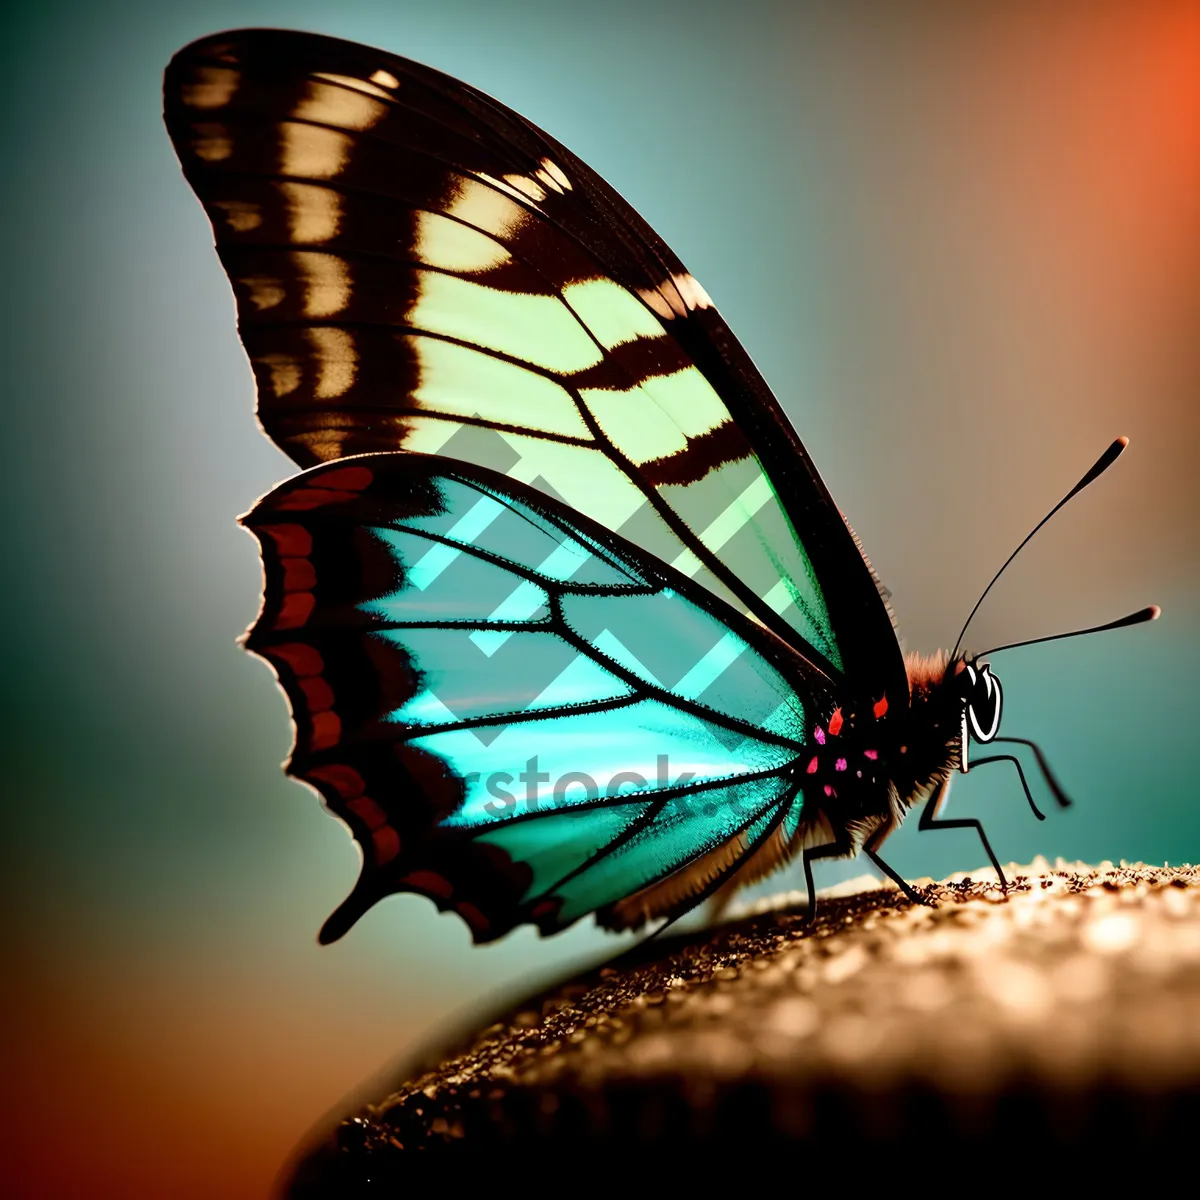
(926, 745)
(870, 764)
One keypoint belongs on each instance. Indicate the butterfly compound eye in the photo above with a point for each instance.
(984, 704)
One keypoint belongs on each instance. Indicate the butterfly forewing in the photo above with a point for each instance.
(418, 268)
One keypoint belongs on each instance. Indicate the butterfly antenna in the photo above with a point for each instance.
(1101, 465)
(1150, 613)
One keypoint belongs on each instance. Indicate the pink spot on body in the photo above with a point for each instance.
(812, 766)
(819, 734)
(871, 754)
(840, 765)
(829, 790)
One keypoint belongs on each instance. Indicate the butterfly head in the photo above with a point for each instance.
(982, 700)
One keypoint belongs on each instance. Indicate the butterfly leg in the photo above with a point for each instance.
(870, 849)
(930, 820)
(994, 758)
(838, 848)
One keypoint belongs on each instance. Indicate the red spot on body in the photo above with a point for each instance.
(835, 722)
(346, 780)
(299, 575)
(812, 766)
(871, 754)
(819, 734)
(429, 882)
(368, 811)
(880, 708)
(295, 610)
(543, 908)
(317, 692)
(303, 660)
(386, 845)
(840, 765)
(326, 729)
(473, 917)
(829, 790)
(292, 541)
(351, 479)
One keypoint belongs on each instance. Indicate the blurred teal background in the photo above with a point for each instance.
(963, 244)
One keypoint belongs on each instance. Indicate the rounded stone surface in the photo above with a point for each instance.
(1066, 1010)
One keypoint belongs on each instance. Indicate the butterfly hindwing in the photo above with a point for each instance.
(518, 713)
(418, 268)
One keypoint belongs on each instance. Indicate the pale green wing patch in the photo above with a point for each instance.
(404, 276)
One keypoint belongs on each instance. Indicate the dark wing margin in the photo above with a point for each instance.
(396, 239)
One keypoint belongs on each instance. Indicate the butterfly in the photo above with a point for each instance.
(567, 620)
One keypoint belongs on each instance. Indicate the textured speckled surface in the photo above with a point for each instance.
(1068, 1009)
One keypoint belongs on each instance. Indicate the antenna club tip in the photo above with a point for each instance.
(1122, 441)
(1155, 611)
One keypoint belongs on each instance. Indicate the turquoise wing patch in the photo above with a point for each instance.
(518, 714)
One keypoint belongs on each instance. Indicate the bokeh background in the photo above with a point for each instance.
(962, 241)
